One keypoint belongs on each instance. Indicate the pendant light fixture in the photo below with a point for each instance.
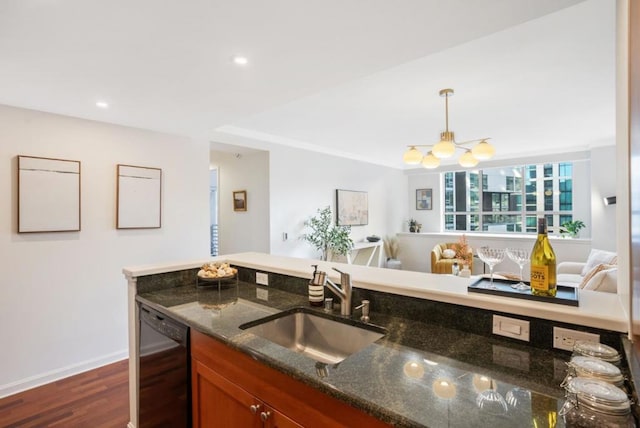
(447, 146)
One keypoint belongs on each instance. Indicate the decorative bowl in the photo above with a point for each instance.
(373, 238)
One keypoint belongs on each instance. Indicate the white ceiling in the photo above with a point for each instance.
(358, 78)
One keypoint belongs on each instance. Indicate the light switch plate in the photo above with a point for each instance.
(511, 327)
(262, 278)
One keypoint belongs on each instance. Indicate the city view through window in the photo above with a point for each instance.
(509, 199)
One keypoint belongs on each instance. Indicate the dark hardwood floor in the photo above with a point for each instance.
(94, 399)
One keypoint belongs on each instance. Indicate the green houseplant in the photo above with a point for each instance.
(572, 228)
(327, 237)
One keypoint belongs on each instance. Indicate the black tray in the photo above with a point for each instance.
(564, 295)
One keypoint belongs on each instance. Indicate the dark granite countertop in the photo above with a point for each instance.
(418, 375)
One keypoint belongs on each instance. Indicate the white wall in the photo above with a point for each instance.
(63, 296)
(603, 184)
(622, 165)
(241, 231)
(303, 181)
(431, 220)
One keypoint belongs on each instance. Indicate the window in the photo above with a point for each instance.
(511, 198)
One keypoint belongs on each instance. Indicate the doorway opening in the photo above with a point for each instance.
(213, 210)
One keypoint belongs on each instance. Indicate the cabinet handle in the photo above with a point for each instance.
(264, 416)
(254, 408)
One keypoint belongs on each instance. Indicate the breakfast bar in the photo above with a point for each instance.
(437, 365)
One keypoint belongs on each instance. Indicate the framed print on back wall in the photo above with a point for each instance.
(352, 208)
(424, 199)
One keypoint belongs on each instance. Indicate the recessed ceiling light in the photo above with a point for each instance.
(102, 104)
(240, 60)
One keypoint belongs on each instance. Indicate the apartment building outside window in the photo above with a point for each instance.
(508, 199)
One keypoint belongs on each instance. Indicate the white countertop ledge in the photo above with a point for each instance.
(597, 309)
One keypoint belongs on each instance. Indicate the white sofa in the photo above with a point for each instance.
(598, 273)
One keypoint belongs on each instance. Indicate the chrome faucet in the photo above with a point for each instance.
(343, 292)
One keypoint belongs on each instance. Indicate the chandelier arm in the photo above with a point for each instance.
(454, 142)
(471, 141)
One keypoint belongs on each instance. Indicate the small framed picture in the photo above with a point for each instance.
(424, 199)
(240, 200)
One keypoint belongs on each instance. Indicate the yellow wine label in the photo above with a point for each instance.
(540, 278)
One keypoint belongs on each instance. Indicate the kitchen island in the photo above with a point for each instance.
(420, 373)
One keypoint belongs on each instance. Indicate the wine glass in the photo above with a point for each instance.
(521, 257)
(492, 257)
(518, 397)
(491, 401)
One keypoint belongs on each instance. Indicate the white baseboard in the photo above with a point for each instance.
(61, 373)
(130, 425)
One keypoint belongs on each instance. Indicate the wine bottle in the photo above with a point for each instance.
(543, 264)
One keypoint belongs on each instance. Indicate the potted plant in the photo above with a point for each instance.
(414, 226)
(464, 253)
(571, 228)
(327, 237)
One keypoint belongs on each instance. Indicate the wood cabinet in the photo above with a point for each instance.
(230, 389)
(213, 393)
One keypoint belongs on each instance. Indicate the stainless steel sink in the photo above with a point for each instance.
(317, 335)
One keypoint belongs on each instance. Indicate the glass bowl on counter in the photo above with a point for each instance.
(594, 368)
(596, 350)
(593, 403)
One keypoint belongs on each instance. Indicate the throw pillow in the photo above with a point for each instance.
(605, 281)
(448, 253)
(593, 272)
(597, 257)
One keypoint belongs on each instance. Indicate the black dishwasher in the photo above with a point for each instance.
(164, 393)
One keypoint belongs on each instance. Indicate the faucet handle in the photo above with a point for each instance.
(365, 311)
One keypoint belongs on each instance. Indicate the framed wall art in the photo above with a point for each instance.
(352, 208)
(240, 200)
(139, 197)
(424, 199)
(48, 195)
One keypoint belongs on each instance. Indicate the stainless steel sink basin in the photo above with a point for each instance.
(317, 335)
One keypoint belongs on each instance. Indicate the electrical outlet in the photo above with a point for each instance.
(262, 278)
(565, 339)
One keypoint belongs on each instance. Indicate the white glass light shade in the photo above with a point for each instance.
(429, 161)
(467, 160)
(412, 156)
(444, 149)
(483, 150)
